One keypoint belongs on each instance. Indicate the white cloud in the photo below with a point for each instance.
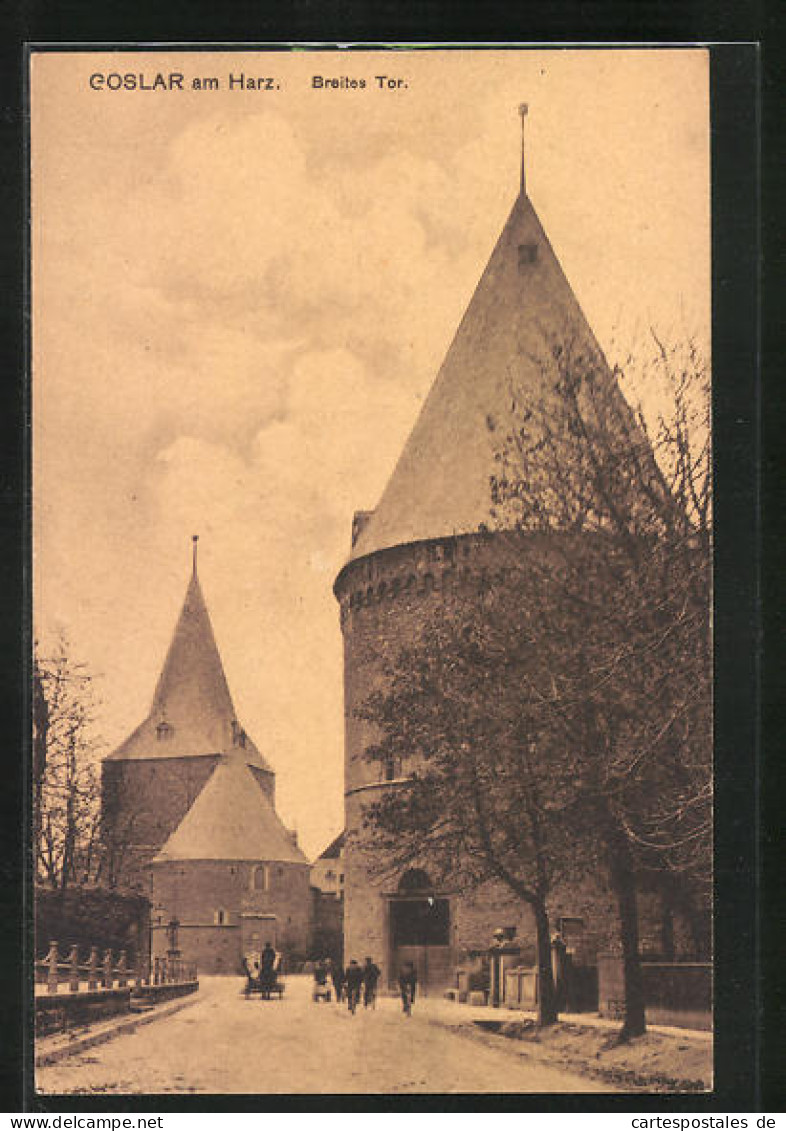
(238, 310)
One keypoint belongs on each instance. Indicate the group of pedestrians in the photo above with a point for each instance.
(361, 981)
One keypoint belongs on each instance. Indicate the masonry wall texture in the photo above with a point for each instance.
(384, 599)
(196, 891)
(326, 935)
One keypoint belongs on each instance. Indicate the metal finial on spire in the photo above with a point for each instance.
(194, 540)
(523, 111)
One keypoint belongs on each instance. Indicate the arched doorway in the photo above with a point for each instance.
(419, 930)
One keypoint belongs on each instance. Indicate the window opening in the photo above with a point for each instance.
(528, 254)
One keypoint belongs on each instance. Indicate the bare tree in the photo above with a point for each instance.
(66, 824)
(617, 607)
(477, 802)
(562, 721)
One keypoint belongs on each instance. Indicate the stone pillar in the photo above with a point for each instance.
(92, 974)
(73, 970)
(52, 975)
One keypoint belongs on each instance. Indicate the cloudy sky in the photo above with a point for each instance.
(241, 297)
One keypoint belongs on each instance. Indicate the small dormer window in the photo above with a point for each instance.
(238, 734)
(528, 254)
(164, 732)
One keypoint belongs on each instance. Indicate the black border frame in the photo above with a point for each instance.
(735, 107)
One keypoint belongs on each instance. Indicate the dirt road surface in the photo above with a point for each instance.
(224, 1044)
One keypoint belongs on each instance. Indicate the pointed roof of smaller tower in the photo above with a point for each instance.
(232, 819)
(192, 681)
(192, 711)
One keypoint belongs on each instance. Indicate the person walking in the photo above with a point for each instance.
(337, 975)
(371, 974)
(407, 981)
(267, 971)
(354, 981)
(321, 990)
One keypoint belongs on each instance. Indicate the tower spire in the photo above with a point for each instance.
(194, 540)
(523, 111)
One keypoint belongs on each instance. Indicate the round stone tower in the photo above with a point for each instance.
(384, 599)
(428, 542)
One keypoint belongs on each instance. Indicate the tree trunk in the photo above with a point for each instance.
(547, 998)
(624, 884)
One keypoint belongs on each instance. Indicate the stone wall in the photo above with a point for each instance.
(210, 899)
(326, 936)
(384, 599)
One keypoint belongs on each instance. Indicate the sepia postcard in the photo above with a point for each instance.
(372, 571)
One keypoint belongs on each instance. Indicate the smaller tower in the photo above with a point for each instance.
(232, 875)
(152, 779)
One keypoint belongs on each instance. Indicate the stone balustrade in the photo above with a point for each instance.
(107, 971)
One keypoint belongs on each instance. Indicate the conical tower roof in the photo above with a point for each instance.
(192, 679)
(231, 819)
(192, 711)
(440, 485)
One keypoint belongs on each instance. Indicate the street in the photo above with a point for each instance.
(224, 1044)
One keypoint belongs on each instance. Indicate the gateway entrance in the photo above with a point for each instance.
(419, 932)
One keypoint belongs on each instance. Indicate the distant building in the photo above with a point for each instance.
(327, 871)
(327, 896)
(190, 820)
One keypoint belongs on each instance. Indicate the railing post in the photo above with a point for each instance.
(73, 973)
(92, 972)
(122, 970)
(51, 958)
(106, 980)
(157, 971)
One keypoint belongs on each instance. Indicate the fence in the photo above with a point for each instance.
(676, 993)
(105, 973)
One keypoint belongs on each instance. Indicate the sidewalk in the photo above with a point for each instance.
(51, 1049)
(453, 1013)
(665, 1060)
